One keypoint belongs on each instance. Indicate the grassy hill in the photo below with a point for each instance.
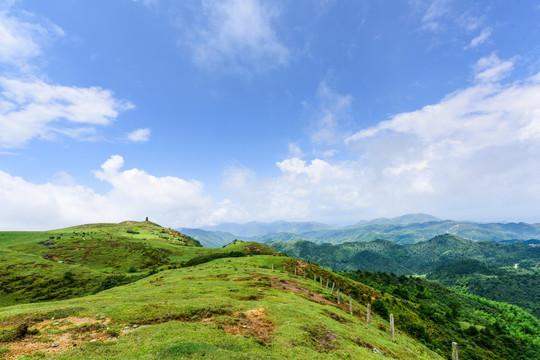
(242, 301)
(81, 260)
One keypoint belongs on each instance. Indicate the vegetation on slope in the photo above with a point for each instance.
(66, 263)
(519, 286)
(445, 258)
(230, 308)
(432, 314)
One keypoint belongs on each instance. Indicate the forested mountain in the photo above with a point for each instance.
(407, 229)
(483, 268)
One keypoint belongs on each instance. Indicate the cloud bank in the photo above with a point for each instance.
(473, 155)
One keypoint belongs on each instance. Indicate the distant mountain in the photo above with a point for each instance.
(400, 220)
(406, 229)
(420, 258)
(255, 228)
(213, 239)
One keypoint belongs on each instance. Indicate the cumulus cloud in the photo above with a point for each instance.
(34, 108)
(139, 135)
(134, 194)
(474, 149)
(31, 107)
(238, 36)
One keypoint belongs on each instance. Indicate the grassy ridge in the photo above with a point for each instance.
(227, 308)
(76, 261)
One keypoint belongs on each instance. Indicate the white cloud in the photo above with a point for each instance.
(238, 36)
(21, 39)
(481, 38)
(475, 149)
(330, 115)
(33, 108)
(139, 135)
(134, 195)
(491, 68)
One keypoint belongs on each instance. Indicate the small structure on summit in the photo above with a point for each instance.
(146, 219)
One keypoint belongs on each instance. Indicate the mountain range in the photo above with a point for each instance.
(406, 229)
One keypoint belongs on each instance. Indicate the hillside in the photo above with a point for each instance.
(443, 258)
(243, 301)
(519, 286)
(81, 260)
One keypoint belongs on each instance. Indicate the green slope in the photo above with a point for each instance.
(242, 301)
(233, 308)
(76, 261)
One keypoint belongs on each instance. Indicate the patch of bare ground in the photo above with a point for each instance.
(296, 288)
(59, 335)
(252, 323)
(321, 339)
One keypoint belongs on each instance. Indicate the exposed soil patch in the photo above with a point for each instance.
(336, 317)
(294, 287)
(253, 323)
(60, 335)
(320, 338)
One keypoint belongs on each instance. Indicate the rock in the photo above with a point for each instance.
(54, 345)
(56, 323)
(376, 351)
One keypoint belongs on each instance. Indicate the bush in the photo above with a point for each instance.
(380, 308)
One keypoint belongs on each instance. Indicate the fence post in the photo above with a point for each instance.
(327, 281)
(332, 291)
(295, 271)
(392, 330)
(272, 267)
(338, 296)
(283, 267)
(314, 277)
(350, 303)
(320, 280)
(455, 355)
(368, 315)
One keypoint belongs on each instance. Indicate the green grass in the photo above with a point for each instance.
(182, 313)
(77, 261)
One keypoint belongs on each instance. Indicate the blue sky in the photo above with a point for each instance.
(200, 112)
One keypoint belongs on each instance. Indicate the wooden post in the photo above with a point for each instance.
(392, 330)
(272, 267)
(327, 281)
(455, 355)
(338, 296)
(350, 303)
(320, 280)
(295, 271)
(314, 277)
(368, 315)
(332, 291)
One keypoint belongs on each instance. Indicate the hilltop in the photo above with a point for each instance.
(242, 301)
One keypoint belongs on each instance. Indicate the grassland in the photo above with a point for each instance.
(135, 290)
(227, 308)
